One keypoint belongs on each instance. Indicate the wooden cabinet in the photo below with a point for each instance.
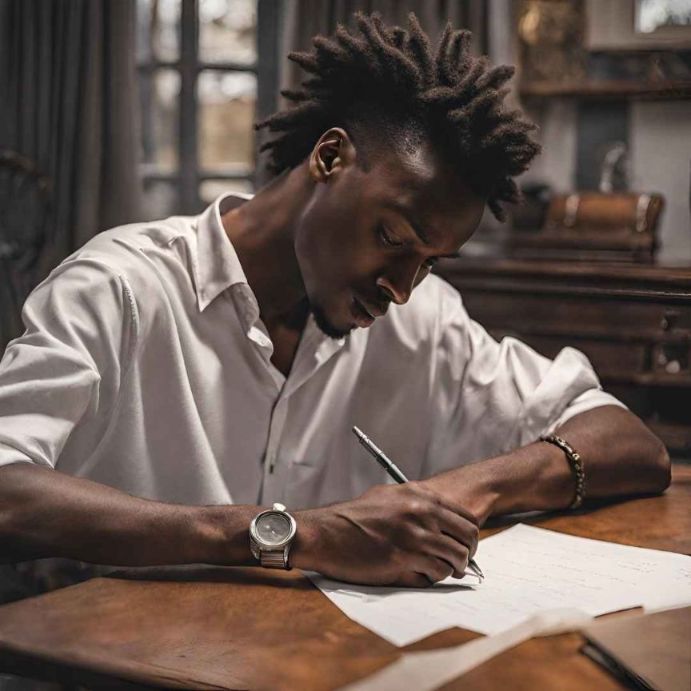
(633, 322)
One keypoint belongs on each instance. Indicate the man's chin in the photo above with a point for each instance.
(325, 326)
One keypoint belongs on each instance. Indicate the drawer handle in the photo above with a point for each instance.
(672, 358)
(669, 320)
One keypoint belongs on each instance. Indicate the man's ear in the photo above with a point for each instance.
(333, 152)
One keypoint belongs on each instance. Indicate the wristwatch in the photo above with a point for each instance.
(271, 536)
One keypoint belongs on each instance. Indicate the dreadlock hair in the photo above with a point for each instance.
(390, 85)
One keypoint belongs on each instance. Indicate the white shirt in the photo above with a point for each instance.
(145, 366)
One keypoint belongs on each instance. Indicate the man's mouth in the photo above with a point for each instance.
(365, 314)
(363, 317)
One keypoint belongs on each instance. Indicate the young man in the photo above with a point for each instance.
(181, 375)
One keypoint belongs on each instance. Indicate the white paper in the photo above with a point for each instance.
(430, 669)
(528, 570)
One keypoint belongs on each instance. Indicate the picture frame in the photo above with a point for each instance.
(606, 32)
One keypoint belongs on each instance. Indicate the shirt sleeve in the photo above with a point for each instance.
(67, 366)
(494, 396)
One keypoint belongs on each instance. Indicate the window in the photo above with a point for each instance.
(198, 78)
(651, 15)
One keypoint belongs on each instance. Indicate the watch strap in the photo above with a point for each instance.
(276, 559)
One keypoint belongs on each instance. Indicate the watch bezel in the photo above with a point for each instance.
(274, 547)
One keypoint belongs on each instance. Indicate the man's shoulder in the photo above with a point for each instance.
(131, 251)
(144, 237)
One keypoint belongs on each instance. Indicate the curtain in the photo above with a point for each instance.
(68, 104)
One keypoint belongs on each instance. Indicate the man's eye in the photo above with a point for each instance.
(388, 238)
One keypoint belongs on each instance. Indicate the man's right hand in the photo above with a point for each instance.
(391, 535)
(404, 535)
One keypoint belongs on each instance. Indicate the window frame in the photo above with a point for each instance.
(189, 175)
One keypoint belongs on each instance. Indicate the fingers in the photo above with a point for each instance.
(433, 553)
(453, 553)
(404, 534)
(413, 579)
(440, 531)
(434, 569)
(458, 528)
(428, 571)
(454, 521)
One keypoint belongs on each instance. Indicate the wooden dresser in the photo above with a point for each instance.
(632, 321)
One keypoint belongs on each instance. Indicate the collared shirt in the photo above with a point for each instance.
(146, 366)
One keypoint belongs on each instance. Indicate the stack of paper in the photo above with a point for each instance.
(528, 570)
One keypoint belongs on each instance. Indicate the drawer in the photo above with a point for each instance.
(579, 316)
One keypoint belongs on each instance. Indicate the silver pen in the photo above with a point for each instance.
(397, 474)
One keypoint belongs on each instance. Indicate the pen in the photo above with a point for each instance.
(397, 474)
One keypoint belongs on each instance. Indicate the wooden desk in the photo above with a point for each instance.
(213, 628)
(633, 321)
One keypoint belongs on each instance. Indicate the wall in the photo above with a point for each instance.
(660, 144)
(659, 141)
(557, 119)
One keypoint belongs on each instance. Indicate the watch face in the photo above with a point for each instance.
(273, 528)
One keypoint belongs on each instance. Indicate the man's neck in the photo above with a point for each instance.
(262, 231)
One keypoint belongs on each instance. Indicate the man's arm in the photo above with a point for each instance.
(45, 513)
(402, 534)
(621, 456)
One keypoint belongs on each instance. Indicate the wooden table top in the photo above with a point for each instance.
(242, 628)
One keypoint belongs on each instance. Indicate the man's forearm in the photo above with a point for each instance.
(391, 535)
(620, 455)
(44, 513)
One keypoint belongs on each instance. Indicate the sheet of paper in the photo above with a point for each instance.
(528, 570)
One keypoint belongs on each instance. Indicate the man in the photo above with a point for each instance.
(181, 375)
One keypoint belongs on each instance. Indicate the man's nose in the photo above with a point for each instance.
(399, 285)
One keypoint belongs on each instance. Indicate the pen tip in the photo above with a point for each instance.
(476, 569)
(357, 431)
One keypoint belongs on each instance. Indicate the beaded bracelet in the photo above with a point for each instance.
(576, 464)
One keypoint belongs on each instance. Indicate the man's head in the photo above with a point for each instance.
(404, 146)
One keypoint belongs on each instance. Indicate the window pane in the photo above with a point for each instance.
(158, 31)
(226, 115)
(160, 200)
(209, 190)
(228, 31)
(654, 14)
(160, 98)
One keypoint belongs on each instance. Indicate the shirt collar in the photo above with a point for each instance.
(216, 265)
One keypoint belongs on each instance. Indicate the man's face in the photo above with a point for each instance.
(368, 238)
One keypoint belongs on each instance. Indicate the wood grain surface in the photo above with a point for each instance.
(243, 628)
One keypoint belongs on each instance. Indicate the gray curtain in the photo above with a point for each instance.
(68, 103)
(306, 18)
